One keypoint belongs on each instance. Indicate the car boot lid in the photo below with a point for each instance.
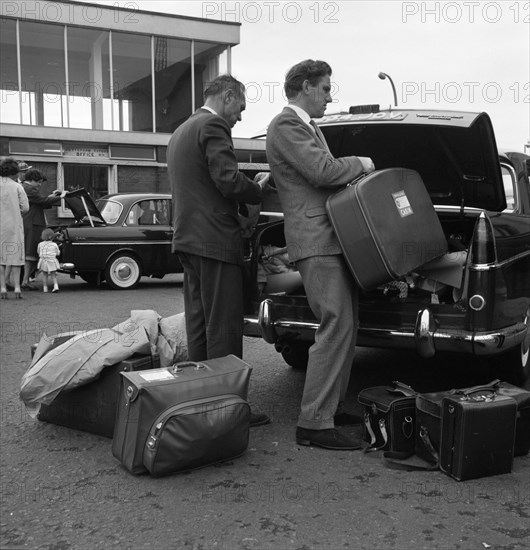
(83, 207)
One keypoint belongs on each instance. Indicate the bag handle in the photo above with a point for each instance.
(177, 367)
(492, 386)
(403, 389)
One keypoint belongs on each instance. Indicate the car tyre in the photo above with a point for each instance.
(296, 354)
(123, 271)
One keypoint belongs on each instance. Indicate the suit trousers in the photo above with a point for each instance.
(334, 299)
(213, 302)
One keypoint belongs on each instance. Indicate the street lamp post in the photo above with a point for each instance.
(382, 76)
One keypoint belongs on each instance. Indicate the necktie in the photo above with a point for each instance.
(319, 134)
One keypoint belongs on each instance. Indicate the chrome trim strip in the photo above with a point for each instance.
(499, 265)
(117, 243)
(453, 340)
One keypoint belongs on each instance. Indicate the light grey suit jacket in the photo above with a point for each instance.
(306, 174)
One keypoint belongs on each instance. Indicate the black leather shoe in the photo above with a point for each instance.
(258, 419)
(328, 439)
(347, 419)
(27, 286)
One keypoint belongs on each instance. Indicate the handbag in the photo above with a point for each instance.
(389, 419)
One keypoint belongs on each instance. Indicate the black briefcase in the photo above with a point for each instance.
(92, 407)
(478, 433)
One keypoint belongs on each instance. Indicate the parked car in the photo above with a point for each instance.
(482, 199)
(118, 239)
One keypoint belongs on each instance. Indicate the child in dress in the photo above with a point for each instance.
(48, 264)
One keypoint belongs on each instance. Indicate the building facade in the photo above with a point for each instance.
(90, 94)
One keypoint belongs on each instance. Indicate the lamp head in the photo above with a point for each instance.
(382, 76)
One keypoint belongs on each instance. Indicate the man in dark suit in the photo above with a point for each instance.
(305, 174)
(206, 187)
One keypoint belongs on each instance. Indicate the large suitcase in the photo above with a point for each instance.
(146, 395)
(92, 407)
(386, 226)
(477, 436)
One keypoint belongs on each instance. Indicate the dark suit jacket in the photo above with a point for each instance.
(306, 174)
(206, 187)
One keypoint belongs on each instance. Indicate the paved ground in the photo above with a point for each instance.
(62, 489)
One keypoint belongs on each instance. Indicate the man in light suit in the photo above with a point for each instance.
(306, 174)
(206, 188)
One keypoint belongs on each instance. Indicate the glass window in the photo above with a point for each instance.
(149, 212)
(43, 78)
(509, 187)
(92, 177)
(88, 79)
(10, 94)
(131, 64)
(110, 210)
(172, 82)
(132, 152)
(207, 66)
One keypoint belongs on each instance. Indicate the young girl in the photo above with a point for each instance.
(48, 264)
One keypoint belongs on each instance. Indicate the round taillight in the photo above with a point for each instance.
(477, 302)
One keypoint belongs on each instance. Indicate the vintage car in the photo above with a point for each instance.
(118, 239)
(477, 301)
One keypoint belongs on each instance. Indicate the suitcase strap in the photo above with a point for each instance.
(492, 386)
(373, 438)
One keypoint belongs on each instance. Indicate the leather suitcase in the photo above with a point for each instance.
(386, 226)
(92, 407)
(429, 417)
(478, 433)
(146, 395)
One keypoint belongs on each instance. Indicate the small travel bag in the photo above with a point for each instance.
(478, 431)
(182, 417)
(389, 419)
(429, 417)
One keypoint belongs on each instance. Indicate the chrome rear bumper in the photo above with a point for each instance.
(426, 338)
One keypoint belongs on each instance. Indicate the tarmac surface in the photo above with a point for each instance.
(62, 489)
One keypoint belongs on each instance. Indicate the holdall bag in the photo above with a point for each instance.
(429, 417)
(197, 433)
(478, 432)
(146, 395)
(389, 419)
(92, 407)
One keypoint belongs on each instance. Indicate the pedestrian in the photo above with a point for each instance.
(206, 187)
(48, 263)
(306, 174)
(35, 220)
(13, 202)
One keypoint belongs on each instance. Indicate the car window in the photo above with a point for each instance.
(150, 212)
(110, 210)
(509, 187)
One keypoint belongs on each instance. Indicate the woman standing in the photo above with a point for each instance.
(35, 220)
(13, 202)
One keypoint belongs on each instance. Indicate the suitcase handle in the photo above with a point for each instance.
(492, 386)
(177, 367)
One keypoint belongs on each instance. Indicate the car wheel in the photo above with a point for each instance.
(123, 272)
(514, 366)
(90, 277)
(296, 354)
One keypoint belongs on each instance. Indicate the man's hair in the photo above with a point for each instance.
(34, 175)
(222, 83)
(310, 70)
(8, 166)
